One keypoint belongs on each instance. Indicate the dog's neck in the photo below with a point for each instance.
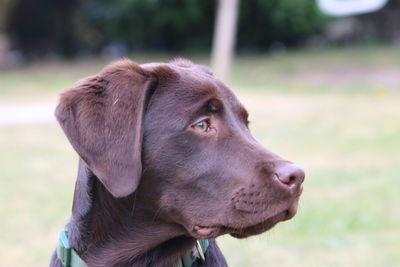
(106, 231)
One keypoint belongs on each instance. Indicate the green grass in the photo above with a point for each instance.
(342, 127)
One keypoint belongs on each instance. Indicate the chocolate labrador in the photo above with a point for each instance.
(166, 159)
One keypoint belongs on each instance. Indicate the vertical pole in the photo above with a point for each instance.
(224, 37)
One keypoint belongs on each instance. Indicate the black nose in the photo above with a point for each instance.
(289, 174)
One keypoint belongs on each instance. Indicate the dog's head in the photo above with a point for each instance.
(179, 139)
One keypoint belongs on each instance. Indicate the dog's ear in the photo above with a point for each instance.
(102, 116)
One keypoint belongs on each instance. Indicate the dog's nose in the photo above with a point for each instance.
(290, 174)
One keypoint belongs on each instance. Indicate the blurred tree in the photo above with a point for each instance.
(69, 26)
(43, 26)
(224, 37)
(5, 7)
(153, 24)
(188, 24)
(263, 23)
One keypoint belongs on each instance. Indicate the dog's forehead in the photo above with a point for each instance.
(197, 80)
(189, 83)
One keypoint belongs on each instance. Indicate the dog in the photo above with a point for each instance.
(167, 159)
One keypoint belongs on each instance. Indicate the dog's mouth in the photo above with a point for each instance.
(205, 232)
(264, 225)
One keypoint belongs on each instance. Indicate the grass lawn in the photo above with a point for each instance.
(334, 112)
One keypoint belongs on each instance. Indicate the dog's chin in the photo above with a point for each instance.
(260, 227)
(265, 225)
(206, 232)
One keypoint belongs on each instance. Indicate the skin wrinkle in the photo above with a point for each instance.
(148, 179)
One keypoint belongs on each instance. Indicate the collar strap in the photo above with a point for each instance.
(70, 258)
(195, 254)
(66, 254)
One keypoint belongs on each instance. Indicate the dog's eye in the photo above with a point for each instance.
(203, 125)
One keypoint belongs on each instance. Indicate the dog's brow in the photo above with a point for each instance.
(207, 106)
(198, 91)
(243, 113)
(215, 105)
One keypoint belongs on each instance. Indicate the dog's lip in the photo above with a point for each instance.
(261, 227)
(204, 232)
(266, 224)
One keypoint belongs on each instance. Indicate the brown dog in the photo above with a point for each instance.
(167, 158)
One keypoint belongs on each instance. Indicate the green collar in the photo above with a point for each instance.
(66, 254)
(70, 258)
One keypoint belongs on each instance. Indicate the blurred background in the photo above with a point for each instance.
(322, 87)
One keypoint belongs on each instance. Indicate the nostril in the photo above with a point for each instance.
(289, 174)
(289, 180)
(292, 180)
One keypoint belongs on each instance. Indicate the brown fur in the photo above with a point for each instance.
(150, 182)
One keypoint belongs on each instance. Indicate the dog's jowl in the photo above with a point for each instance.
(167, 164)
